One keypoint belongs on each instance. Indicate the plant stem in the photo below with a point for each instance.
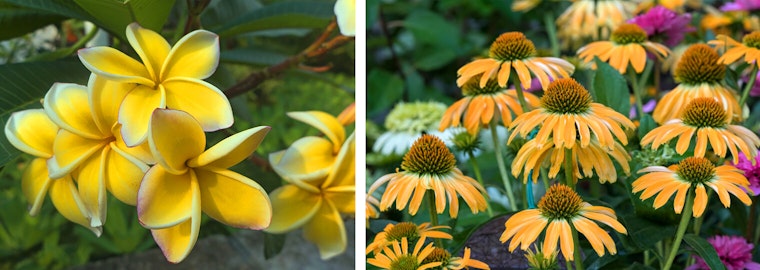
(577, 253)
(685, 216)
(479, 177)
(544, 178)
(569, 177)
(502, 167)
(751, 221)
(636, 91)
(748, 87)
(551, 30)
(519, 90)
(433, 214)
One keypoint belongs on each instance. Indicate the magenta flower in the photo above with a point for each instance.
(741, 5)
(664, 25)
(752, 172)
(734, 252)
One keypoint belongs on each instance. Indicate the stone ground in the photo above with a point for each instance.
(244, 250)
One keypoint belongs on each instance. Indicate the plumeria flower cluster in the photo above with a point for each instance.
(136, 131)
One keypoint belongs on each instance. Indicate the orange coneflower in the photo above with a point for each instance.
(395, 232)
(557, 210)
(429, 165)
(454, 263)
(512, 51)
(590, 19)
(692, 173)
(628, 44)
(706, 119)
(749, 48)
(568, 113)
(481, 105)
(371, 205)
(700, 75)
(400, 256)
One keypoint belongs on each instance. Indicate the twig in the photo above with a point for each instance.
(195, 8)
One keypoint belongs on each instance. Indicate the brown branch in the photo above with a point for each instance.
(316, 49)
(195, 8)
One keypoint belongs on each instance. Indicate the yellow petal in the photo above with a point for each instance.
(32, 132)
(114, 65)
(35, 183)
(165, 200)
(105, 98)
(175, 137)
(200, 99)
(68, 106)
(141, 151)
(135, 113)
(345, 11)
(327, 231)
(233, 199)
(326, 123)
(343, 172)
(177, 241)
(343, 198)
(66, 199)
(292, 208)
(196, 55)
(308, 159)
(150, 46)
(71, 150)
(124, 173)
(231, 150)
(92, 187)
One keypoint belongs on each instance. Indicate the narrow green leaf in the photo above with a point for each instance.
(273, 244)
(252, 56)
(610, 88)
(23, 86)
(23, 20)
(384, 90)
(280, 15)
(115, 15)
(705, 250)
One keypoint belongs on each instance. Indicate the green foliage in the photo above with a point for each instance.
(278, 16)
(610, 88)
(705, 250)
(115, 15)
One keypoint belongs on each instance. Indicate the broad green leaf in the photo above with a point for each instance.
(115, 15)
(645, 234)
(705, 250)
(431, 28)
(383, 90)
(66, 8)
(25, 84)
(610, 88)
(273, 244)
(278, 16)
(252, 56)
(646, 124)
(218, 13)
(18, 20)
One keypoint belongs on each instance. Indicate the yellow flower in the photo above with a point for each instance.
(748, 49)
(167, 78)
(481, 105)
(89, 145)
(32, 132)
(566, 105)
(628, 44)
(589, 19)
(400, 258)
(524, 5)
(705, 118)
(429, 165)
(699, 75)
(693, 173)
(188, 180)
(448, 263)
(345, 11)
(557, 210)
(321, 187)
(395, 232)
(513, 51)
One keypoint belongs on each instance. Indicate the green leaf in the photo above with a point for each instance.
(646, 124)
(252, 56)
(383, 90)
(610, 88)
(645, 234)
(24, 84)
(705, 250)
(431, 28)
(115, 15)
(280, 15)
(23, 20)
(273, 244)
(66, 8)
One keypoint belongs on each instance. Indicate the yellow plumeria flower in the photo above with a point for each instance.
(90, 147)
(345, 11)
(316, 204)
(188, 180)
(32, 132)
(167, 78)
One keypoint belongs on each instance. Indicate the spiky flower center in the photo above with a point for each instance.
(629, 33)
(466, 142)
(405, 262)
(401, 230)
(566, 96)
(472, 87)
(704, 112)
(438, 255)
(699, 64)
(560, 202)
(512, 46)
(696, 169)
(429, 155)
(752, 40)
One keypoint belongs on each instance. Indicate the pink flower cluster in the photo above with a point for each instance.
(734, 252)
